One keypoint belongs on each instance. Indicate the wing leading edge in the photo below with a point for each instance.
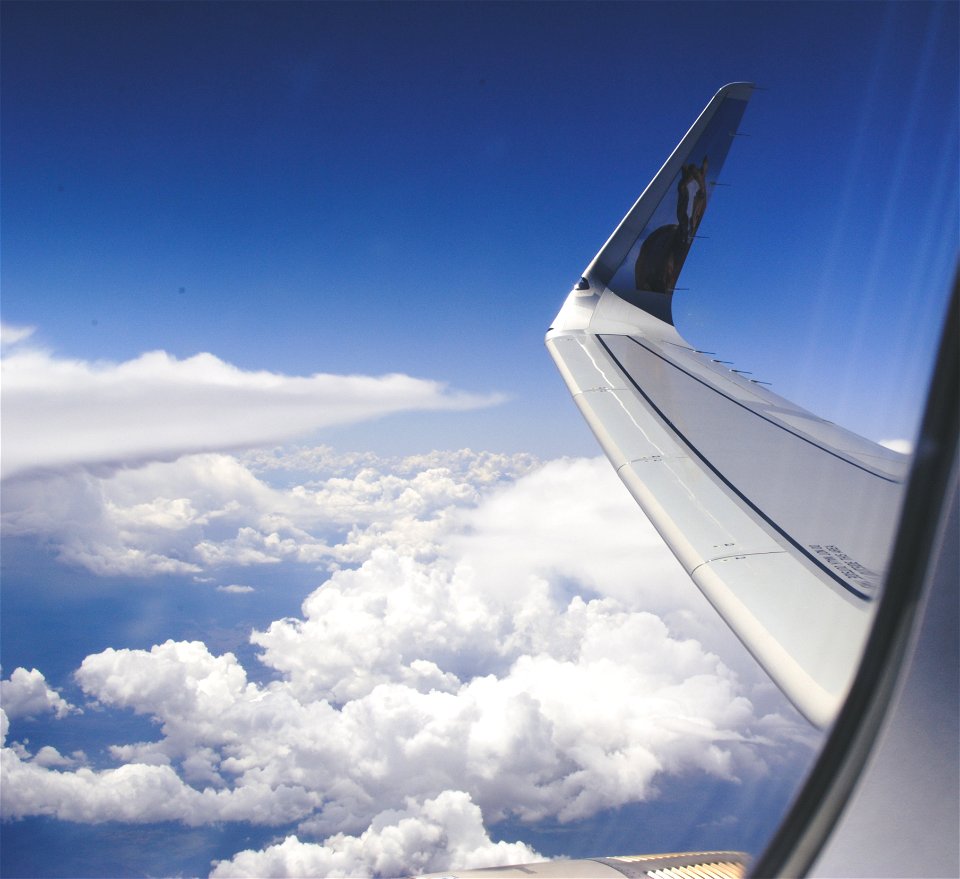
(783, 520)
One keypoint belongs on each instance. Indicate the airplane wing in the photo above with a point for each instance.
(783, 520)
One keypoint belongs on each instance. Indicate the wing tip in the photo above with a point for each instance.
(738, 90)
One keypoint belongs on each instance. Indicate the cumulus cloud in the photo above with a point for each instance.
(512, 646)
(581, 721)
(61, 413)
(205, 511)
(484, 468)
(474, 665)
(236, 589)
(26, 694)
(422, 837)
(49, 756)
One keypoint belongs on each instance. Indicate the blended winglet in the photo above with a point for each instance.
(642, 259)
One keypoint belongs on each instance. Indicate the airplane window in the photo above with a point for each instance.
(315, 562)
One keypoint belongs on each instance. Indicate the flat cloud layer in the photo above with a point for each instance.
(60, 413)
(493, 640)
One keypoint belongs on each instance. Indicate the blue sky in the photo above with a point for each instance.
(328, 185)
(369, 189)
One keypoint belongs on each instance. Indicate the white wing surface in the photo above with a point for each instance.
(782, 519)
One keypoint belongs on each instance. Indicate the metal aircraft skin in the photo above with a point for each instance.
(790, 526)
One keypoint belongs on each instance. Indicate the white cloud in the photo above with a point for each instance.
(50, 757)
(26, 694)
(203, 511)
(61, 413)
(419, 838)
(482, 468)
(236, 589)
(582, 720)
(407, 679)
(133, 792)
(572, 520)
(10, 335)
(493, 638)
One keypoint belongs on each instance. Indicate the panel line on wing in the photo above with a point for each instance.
(660, 455)
(766, 518)
(597, 366)
(733, 555)
(772, 421)
(584, 369)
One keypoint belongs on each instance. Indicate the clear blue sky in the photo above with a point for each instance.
(413, 188)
